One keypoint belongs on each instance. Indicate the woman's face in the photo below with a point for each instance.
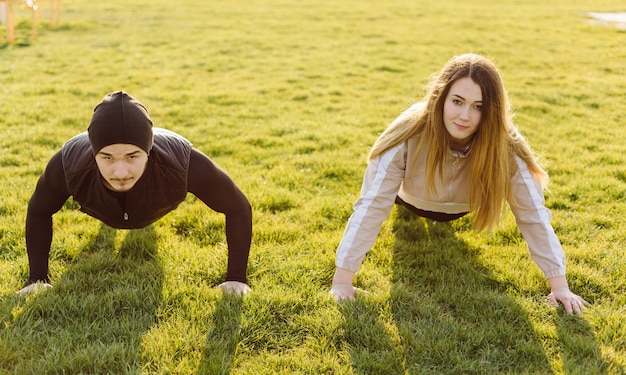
(461, 111)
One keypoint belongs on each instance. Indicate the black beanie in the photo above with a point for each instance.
(120, 118)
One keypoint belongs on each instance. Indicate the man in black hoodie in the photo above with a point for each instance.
(128, 174)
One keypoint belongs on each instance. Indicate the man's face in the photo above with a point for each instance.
(121, 165)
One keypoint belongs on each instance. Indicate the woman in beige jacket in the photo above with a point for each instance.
(456, 151)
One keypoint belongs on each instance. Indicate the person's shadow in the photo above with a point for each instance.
(463, 320)
(579, 349)
(223, 337)
(95, 315)
(367, 333)
(449, 315)
(454, 316)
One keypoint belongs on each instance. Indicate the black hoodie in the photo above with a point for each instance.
(174, 168)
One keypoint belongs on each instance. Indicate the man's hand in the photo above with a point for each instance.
(235, 287)
(32, 288)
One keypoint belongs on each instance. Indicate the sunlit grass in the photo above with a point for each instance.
(288, 97)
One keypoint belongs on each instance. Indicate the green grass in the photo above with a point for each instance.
(288, 96)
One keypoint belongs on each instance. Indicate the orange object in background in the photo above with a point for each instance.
(8, 18)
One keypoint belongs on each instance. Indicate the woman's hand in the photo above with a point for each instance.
(571, 302)
(343, 292)
(342, 288)
(235, 287)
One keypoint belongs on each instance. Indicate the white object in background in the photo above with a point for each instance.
(3, 13)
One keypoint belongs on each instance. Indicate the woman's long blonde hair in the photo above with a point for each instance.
(491, 159)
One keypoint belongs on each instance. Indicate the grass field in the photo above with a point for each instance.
(288, 96)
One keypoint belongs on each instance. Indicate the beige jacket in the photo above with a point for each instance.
(394, 174)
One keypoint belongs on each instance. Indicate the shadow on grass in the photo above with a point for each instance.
(365, 331)
(223, 337)
(93, 320)
(453, 316)
(447, 315)
(579, 350)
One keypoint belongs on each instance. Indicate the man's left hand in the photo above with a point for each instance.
(235, 287)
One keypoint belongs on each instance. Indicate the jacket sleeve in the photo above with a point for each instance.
(207, 181)
(49, 196)
(380, 188)
(533, 220)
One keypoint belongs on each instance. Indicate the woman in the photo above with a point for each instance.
(456, 151)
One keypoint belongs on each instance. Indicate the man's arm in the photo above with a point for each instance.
(207, 181)
(48, 198)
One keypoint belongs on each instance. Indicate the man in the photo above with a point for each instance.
(128, 174)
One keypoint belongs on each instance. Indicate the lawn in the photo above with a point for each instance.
(288, 96)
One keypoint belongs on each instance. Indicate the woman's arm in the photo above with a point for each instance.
(381, 184)
(533, 220)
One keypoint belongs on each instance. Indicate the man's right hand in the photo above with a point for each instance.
(235, 287)
(33, 288)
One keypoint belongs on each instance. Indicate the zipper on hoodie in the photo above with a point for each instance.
(124, 206)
